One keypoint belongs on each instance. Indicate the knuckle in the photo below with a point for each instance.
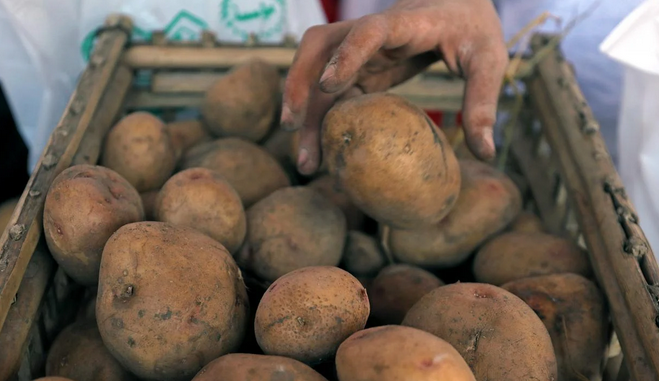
(314, 33)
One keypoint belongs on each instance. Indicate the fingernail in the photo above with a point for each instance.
(302, 158)
(328, 74)
(488, 141)
(286, 120)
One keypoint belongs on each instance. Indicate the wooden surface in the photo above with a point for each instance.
(18, 242)
(588, 173)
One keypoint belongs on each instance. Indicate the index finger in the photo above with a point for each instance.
(311, 57)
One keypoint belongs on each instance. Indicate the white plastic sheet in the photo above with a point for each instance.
(43, 44)
(635, 44)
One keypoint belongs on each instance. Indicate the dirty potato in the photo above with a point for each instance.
(202, 199)
(307, 313)
(170, 300)
(527, 222)
(326, 186)
(517, 255)
(362, 255)
(250, 367)
(185, 134)
(499, 336)
(83, 207)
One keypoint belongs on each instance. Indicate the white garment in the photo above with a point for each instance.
(598, 76)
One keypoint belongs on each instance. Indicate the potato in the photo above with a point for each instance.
(362, 255)
(185, 134)
(6, 210)
(393, 353)
(149, 202)
(83, 207)
(326, 186)
(517, 255)
(488, 202)
(170, 300)
(278, 144)
(527, 222)
(139, 149)
(572, 309)
(250, 170)
(455, 136)
(292, 228)
(244, 103)
(202, 199)
(307, 313)
(52, 379)
(391, 160)
(248, 367)
(499, 336)
(396, 289)
(78, 353)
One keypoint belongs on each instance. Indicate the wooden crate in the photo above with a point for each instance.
(557, 156)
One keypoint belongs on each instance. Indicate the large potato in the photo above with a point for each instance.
(250, 170)
(488, 202)
(249, 367)
(170, 300)
(140, 149)
(83, 207)
(499, 336)
(391, 160)
(326, 186)
(395, 353)
(517, 255)
(202, 199)
(362, 255)
(185, 134)
(292, 228)
(78, 353)
(244, 103)
(574, 313)
(396, 289)
(308, 312)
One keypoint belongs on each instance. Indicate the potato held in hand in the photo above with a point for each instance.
(83, 207)
(250, 170)
(202, 199)
(393, 353)
(307, 313)
(292, 228)
(139, 148)
(78, 353)
(518, 255)
(573, 311)
(170, 300)
(391, 160)
(244, 103)
(488, 202)
(488, 326)
(248, 367)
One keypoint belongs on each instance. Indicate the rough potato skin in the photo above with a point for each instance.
(83, 207)
(78, 353)
(250, 169)
(573, 310)
(499, 336)
(292, 228)
(6, 210)
(250, 367)
(307, 313)
(527, 222)
(202, 199)
(139, 149)
(488, 202)
(396, 353)
(170, 300)
(391, 160)
(517, 255)
(149, 202)
(185, 134)
(327, 186)
(244, 103)
(362, 255)
(396, 289)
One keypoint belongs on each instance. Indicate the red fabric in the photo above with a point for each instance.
(331, 8)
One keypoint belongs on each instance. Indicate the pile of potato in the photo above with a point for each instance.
(212, 260)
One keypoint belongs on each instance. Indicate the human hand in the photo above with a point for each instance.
(379, 51)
